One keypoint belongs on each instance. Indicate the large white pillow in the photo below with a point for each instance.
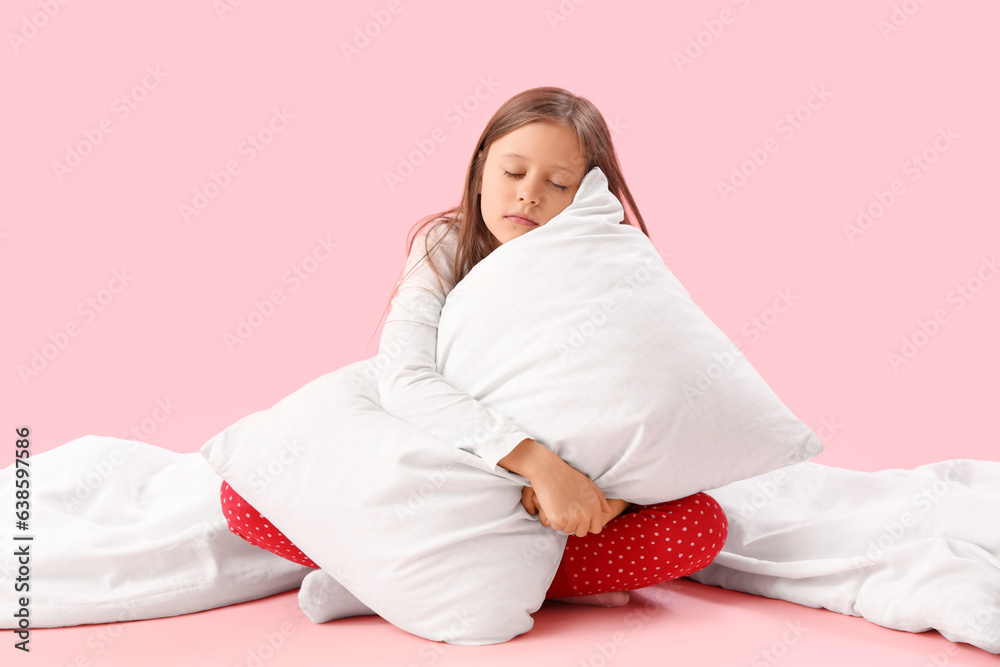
(420, 531)
(579, 334)
(425, 533)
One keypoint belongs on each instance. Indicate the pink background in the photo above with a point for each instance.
(681, 130)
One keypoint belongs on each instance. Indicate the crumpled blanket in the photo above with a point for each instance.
(911, 550)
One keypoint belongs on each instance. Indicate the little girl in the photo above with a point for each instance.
(529, 163)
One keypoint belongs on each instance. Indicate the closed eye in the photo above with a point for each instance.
(507, 173)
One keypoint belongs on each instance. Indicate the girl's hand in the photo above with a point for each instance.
(530, 502)
(572, 503)
(618, 506)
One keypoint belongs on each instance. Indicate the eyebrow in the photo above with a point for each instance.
(557, 166)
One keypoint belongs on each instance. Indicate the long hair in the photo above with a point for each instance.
(551, 104)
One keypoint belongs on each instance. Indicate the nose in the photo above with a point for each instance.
(525, 195)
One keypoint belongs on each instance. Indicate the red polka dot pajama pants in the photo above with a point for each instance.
(644, 545)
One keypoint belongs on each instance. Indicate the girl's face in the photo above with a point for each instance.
(533, 171)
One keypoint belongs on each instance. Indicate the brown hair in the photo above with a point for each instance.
(555, 105)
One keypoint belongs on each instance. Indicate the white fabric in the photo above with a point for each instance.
(125, 530)
(911, 550)
(322, 598)
(408, 380)
(432, 536)
(421, 532)
(906, 549)
(414, 518)
(578, 333)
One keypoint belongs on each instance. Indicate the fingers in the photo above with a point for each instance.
(580, 518)
(544, 519)
(604, 500)
(528, 499)
(571, 529)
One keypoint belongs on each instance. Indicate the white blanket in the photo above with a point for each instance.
(126, 530)
(907, 549)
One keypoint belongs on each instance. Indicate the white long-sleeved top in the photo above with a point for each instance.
(409, 385)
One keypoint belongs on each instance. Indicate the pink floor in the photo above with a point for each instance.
(680, 623)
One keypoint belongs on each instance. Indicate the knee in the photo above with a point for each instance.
(225, 491)
(714, 517)
(229, 499)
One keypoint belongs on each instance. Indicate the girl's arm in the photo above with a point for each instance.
(409, 385)
(411, 389)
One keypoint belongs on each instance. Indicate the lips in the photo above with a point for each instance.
(519, 219)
